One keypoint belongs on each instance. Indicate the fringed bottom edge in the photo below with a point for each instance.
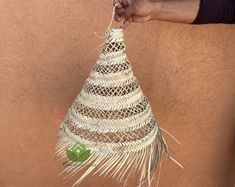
(118, 166)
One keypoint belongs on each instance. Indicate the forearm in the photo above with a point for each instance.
(183, 11)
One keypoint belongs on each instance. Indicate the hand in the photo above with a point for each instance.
(134, 11)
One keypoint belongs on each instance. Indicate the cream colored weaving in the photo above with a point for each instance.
(112, 117)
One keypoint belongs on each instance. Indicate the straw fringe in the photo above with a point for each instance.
(114, 165)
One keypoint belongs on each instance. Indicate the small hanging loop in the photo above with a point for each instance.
(111, 22)
(113, 14)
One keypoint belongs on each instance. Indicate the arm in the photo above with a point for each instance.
(182, 11)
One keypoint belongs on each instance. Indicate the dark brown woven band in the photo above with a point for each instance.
(114, 68)
(111, 91)
(113, 47)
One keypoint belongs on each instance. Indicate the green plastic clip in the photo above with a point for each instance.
(78, 152)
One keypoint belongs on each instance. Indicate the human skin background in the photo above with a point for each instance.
(47, 49)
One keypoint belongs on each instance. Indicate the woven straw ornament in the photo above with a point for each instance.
(110, 129)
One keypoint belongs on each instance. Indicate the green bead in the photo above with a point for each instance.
(84, 156)
(78, 152)
(72, 155)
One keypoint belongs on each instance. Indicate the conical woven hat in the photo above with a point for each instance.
(112, 120)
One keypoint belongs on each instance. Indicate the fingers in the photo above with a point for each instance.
(117, 18)
(124, 12)
(123, 3)
(126, 23)
(118, 14)
(119, 2)
(120, 11)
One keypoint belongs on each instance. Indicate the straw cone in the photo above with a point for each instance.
(112, 118)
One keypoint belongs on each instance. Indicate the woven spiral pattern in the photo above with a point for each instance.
(113, 117)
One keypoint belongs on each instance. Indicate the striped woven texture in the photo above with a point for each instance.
(112, 117)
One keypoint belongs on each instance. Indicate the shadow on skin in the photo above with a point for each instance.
(230, 174)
